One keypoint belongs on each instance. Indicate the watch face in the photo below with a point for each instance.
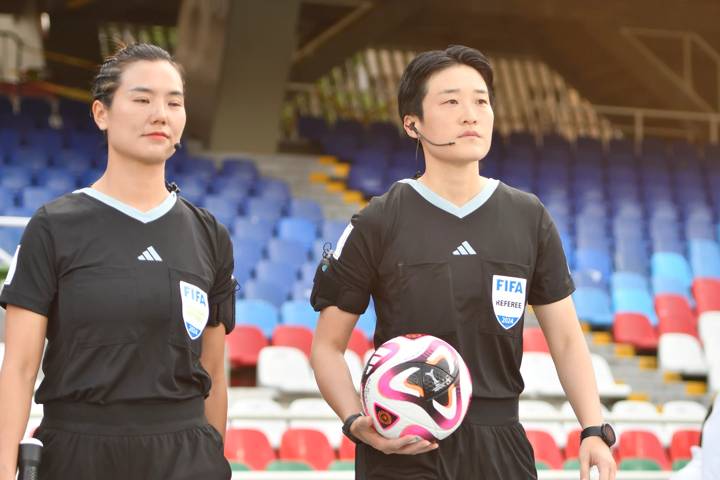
(608, 434)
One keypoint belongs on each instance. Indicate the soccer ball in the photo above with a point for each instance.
(416, 385)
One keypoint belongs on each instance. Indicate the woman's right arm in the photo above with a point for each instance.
(333, 377)
(24, 343)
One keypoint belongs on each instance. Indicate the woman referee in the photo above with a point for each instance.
(455, 255)
(132, 286)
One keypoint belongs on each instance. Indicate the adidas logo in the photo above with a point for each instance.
(463, 249)
(149, 255)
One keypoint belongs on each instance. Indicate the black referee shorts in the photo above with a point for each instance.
(171, 441)
(489, 445)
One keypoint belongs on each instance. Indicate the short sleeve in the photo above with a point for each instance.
(32, 279)
(346, 279)
(222, 298)
(551, 279)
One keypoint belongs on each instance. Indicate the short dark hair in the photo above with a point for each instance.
(107, 80)
(413, 84)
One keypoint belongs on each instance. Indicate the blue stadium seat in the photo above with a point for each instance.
(629, 279)
(308, 209)
(89, 177)
(48, 140)
(57, 180)
(367, 179)
(273, 293)
(33, 158)
(366, 322)
(194, 193)
(287, 251)
(273, 189)
(260, 313)
(591, 259)
(224, 209)
(73, 161)
(301, 291)
(257, 229)
(15, 177)
(634, 300)
(7, 200)
(276, 272)
(247, 252)
(593, 306)
(698, 229)
(35, 197)
(238, 167)
(9, 139)
(332, 230)
(231, 186)
(704, 258)
(673, 265)
(263, 209)
(10, 238)
(589, 278)
(298, 313)
(672, 285)
(307, 271)
(299, 229)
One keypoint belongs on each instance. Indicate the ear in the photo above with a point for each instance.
(408, 122)
(100, 112)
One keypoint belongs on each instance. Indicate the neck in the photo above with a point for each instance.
(458, 184)
(140, 185)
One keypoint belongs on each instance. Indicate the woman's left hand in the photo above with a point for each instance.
(593, 451)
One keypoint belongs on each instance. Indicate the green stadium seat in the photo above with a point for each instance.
(680, 464)
(239, 467)
(644, 464)
(542, 466)
(288, 466)
(342, 465)
(571, 464)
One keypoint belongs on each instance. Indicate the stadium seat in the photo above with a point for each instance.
(299, 313)
(704, 258)
(681, 442)
(347, 449)
(342, 466)
(634, 329)
(707, 294)
(539, 375)
(315, 413)
(274, 293)
(355, 367)
(306, 445)
(332, 230)
(639, 464)
(673, 265)
(277, 272)
(534, 340)
(257, 312)
(633, 300)
(289, 252)
(366, 322)
(35, 197)
(607, 386)
(681, 353)
(591, 259)
(545, 448)
(593, 306)
(674, 315)
(289, 466)
(248, 446)
(263, 209)
(296, 336)
(641, 444)
(244, 344)
(540, 415)
(307, 209)
(286, 369)
(622, 280)
(299, 230)
(258, 229)
(241, 411)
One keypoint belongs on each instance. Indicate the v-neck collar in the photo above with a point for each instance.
(473, 204)
(144, 217)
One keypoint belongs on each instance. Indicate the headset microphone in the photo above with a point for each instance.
(414, 129)
(177, 146)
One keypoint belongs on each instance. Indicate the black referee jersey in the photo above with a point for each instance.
(463, 274)
(127, 295)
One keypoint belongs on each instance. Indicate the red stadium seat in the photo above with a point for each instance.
(248, 446)
(346, 450)
(635, 329)
(293, 336)
(308, 445)
(244, 344)
(534, 340)
(674, 315)
(546, 450)
(572, 446)
(681, 442)
(707, 294)
(641, 444)
(358, 342)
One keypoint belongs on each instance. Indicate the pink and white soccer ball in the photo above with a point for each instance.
(416, 385)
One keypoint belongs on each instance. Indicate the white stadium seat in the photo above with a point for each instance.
(312, 408)
(607, 386)
(539, 374)
(681, 353)
(625, 414)
(356, 368)
(682, 415)
(286, 369)
(240, 413)
(541, 415)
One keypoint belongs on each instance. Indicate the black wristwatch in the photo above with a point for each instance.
(346, 427)
(604, 431)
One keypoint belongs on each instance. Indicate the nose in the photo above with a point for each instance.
(159, 112)
(469, 114)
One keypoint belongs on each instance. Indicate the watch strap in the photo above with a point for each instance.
(346, 427)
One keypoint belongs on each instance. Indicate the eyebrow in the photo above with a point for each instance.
(150, 90)
(457, 90)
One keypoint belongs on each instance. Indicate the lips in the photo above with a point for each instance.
(156, 134)
(470, 133)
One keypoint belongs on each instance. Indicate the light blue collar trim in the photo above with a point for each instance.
(144, 217)
(473, 204)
